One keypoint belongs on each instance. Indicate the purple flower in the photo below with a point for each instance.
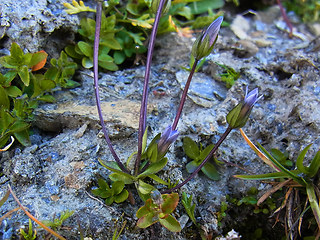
(203, 46)
(167, 138)
(239, 115)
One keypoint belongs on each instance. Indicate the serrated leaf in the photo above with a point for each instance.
(24, 75)
(170, 223)
(191, 148)
(210, 171)
(77, 7)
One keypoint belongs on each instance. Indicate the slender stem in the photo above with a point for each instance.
(143, 109)
(285, 18)
(184, 95)
(216, 146)
(96, 86)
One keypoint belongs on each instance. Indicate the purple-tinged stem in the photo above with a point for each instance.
(216, 146)
(285, 18)
(184, 95)
(96, 86)
(143, 109)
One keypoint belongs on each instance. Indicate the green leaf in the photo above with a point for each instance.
(300, 159)
(86, 49)
(157, 179)
(189, 207)
(146, 209)
(313, 202)
(170, 223)
(204, 6)
(314, 165)
(191, 148)
(111, 43)
(13, 91)
(22, 137)
(144, 140)
(170, 202)
(120, 177)
(112, 166)
(70, 50)
(143, 187)
(47, 98)
(290, 174)
(154, 168)
(109, 200)
(37, 58)
(192, 166)
(122, 196)
(119, 57)
(4, 100)
(24, 75)
(147, 220)
(117, 187)
(266, 176)
(108, 66)
(87, 63)
(204, 153)
(210, 171)
(104, 57)
(15, 51)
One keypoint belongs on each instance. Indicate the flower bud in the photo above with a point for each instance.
(239, 115)
(155, 6)
(203, 45)
(167, 138)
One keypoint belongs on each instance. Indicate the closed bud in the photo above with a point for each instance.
(204, 44)
(155, 6)
(239, 115)
(167, 138)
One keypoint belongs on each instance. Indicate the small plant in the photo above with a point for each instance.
(31, 235)
(198, 154)
(158, 209)
(56, 223)
(189, 207)
(309, 10)
(22, 88)
(299, 181)
(117, 232)
(116, 193)
(229, 76)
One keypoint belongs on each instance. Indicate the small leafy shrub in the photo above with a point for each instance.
(189, 207)
(125, 27)
(158, 209)
(56, 223)
(198, 154)
(116, 193)
(22, 88)
(229, 76)
(300, 181)
(308, 10)
(31, 235)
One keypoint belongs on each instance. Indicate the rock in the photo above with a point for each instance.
(37, 28)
